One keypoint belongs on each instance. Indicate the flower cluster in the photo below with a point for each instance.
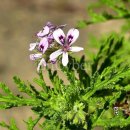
(51, 43)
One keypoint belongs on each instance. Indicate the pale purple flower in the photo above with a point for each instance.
(46, 30)
(49, 28)
(54, 27)
(45, 37)
(42, 46)
(65, 42)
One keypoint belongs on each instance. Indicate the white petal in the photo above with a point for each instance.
(59, 36)
(65, 59)
(76, 49)
(32, 46)
(72, 36)
(55, 54)
(42, 62)
(35, 56)
(43, 32)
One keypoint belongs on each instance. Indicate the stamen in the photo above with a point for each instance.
(66, 48)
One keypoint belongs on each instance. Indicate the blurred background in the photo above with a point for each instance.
(19, 21)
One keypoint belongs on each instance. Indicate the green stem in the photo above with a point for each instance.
(19, 102)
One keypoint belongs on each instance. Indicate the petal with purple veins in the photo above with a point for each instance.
(59, 36)
(72, 36)
(43, 45)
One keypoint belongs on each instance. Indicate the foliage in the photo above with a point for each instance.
(92, 92)
(86, 101)
(112, 10)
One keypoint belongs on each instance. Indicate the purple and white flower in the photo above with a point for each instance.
(49, 28)
(46, 30)
(46, 37)
(65, 42)
(42, 46)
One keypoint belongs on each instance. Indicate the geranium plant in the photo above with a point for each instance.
(97, 90)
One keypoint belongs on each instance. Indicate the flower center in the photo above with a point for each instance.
(66, 48)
